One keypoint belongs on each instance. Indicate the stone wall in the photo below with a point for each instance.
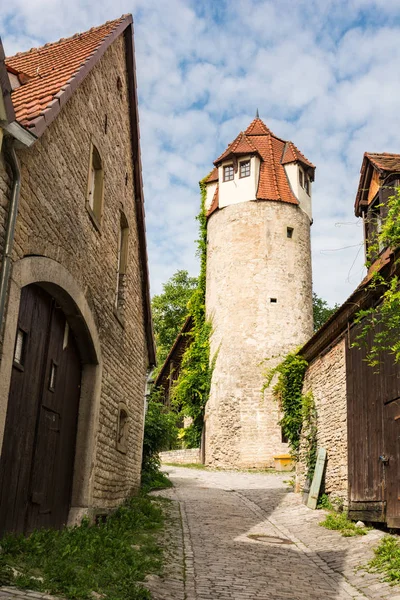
(185, 456)
(54, 222)
(251, 260)
(326, 378)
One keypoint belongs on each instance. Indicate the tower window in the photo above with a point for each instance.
(273, 300)
(307, 184)
(301, 178)
(289, 232)
(228, 173)
(95, 186)
(245, 168)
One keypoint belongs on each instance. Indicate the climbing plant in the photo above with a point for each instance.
(383, 320)
(191, 389)
(298, 409)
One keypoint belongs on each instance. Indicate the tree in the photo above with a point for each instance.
(170, 308)
(321, 311)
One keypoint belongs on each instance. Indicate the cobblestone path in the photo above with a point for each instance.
(244, 536)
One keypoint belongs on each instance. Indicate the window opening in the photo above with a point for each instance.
(289, 232)
(245, 168)
(284, 437)
(228, 173)
(123, 429)
(53, 376)
(95, 187)
(273, 300)
(122, 260)
(301, 178)
(307, 184)
(19, 351)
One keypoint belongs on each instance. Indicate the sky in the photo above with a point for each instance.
(322, 73)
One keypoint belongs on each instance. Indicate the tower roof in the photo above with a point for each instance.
(274, 153)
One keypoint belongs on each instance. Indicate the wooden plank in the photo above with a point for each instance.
(317, 479)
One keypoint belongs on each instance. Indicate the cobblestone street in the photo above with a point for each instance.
(245, 536)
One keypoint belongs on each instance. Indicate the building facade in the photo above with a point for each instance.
(76, 338)
(258, 291)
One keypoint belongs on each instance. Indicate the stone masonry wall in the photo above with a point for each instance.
(185, 456)
(54, 222)
(250, 260)
(326, 378)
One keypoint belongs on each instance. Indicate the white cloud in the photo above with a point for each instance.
(324, 74)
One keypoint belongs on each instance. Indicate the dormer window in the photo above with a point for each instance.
(244, 168)
(228, 173)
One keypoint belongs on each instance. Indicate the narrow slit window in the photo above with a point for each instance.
(301, 178)
(95, 185)
(19, 351)
(307, 184)
(273, 300)
(123, 429)
(228, 173)
(122, 260)
(289, 232)
(245, 168)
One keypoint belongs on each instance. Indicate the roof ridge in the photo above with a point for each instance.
(49, 45)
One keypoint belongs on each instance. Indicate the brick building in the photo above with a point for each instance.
(76, 335)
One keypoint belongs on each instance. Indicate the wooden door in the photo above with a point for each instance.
(392, 462)
(36, 467)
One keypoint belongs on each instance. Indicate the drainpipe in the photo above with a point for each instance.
(10, 230)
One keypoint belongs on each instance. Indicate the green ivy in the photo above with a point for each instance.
(382, 322)
(299, 412)
(191, 390)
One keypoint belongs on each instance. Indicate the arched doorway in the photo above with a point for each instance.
(37, 461)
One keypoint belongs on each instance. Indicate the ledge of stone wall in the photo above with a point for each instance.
(183, 457)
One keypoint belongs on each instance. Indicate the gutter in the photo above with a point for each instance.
(10, 231)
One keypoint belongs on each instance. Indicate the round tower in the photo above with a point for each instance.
(259, 289)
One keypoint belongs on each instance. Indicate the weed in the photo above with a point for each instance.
(324, 502)
(109, 558)
(387, 559)
(340, 522)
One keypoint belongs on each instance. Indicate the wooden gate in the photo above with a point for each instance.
(36, 466)
(373, 404)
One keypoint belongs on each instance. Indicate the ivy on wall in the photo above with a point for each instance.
(191, 390)
(298, 409)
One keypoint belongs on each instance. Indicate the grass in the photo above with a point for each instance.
(207, 468)
(188, 465)
(387, 559)
(338, 521)
(154, 479)
(109, 559)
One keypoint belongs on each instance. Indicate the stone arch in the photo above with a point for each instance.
(59, 282)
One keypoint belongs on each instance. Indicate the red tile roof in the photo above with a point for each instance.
(213, 176)
(46, 74)
(214, 203)
(385, 163)
(274, 153)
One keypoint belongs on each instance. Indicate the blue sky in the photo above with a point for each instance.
(324, 74)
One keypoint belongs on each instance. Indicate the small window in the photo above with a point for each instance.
(95, 186)
(284, 437)
(228, 173)
(289, 232)
(307, 184)
(122, 260)
(301, 178)
(245, 168)
(123, 429)
(20, 347)
(273, 300)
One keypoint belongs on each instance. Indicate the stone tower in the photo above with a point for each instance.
(259, 289)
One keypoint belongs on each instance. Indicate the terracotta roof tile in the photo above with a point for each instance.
(384, 161)
(274, 153)
(213, 176)
(49, 69)
(214, 203)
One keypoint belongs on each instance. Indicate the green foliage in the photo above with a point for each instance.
(288, 392)
(340, 522)
(321, 311)
(109, 558)
(380, 331)
(160, 433)
(324, 502)
(387, 559)
(309, 432)
(190, 391)
(170, 308)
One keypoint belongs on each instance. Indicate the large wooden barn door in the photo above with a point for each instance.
(373, 401)
(36, 466)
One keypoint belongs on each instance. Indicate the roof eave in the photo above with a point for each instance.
(39, 125)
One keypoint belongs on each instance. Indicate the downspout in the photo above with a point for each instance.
(10, 231)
